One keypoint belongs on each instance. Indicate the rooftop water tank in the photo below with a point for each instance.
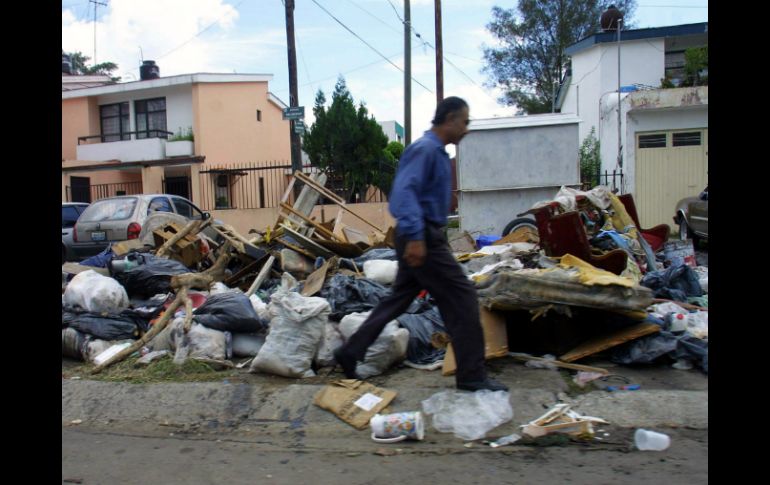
(149, 70)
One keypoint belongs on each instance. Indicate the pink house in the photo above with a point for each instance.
(120, 139)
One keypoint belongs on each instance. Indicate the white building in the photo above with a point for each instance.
(393, 130)
(663, 132)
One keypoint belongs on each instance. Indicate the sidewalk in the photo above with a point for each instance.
(278, 413)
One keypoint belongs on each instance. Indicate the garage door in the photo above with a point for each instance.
(670, 165)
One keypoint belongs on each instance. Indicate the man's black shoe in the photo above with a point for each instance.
(347, 363)
(488, 384)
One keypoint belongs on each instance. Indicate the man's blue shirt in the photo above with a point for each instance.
(422, 189)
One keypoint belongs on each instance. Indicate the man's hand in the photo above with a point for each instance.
(414, 253)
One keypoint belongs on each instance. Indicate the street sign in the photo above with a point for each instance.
(294, 113)
(299, 127)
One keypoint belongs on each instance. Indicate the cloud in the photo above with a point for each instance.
(165, 31)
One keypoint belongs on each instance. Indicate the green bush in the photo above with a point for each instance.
(590, 160)
(183, 136)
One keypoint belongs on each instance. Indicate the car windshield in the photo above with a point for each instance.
(109, 210)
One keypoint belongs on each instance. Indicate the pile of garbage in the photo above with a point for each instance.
(281, 301)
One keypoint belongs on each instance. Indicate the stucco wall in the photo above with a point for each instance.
(226, 126)
(179, 112)
(77, 119)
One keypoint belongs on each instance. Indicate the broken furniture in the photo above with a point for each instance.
(564, 233)
(656, 236)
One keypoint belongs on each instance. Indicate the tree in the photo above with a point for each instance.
(348, 142)
(78, 61)
(590, 159)
(534, 36)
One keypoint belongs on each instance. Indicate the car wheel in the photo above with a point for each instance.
(518, 223)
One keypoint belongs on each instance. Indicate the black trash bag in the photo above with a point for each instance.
(230, 311)
(152, 276)
(675, 283)
(651, 347)
(348, 294)
(104, 326)
(421, 326)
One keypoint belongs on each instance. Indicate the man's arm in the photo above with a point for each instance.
(405, 203)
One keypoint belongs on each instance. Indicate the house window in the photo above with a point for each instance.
(259, 115)
(150, 118)
(222, 191)
(690, 138)
(114, 122)
(675, 66)
(657, 140)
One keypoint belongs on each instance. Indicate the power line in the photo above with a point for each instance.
(670, 6)
(374, 16)
(369, 45)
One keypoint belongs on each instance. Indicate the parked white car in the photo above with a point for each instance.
(122, 218)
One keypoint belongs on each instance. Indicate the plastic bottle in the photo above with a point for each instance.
(677, 322)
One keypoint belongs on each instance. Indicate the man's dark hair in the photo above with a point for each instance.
(446, 106)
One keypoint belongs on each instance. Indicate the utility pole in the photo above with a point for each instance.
(407, 74)
(439, 55)
(96, 5)
(296, 150)
(620, 148)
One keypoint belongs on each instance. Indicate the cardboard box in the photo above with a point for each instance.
(354, 401)
(495, 340)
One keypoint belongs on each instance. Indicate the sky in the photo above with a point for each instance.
(249, 37)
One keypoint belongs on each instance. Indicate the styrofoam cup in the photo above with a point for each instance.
(647, 440)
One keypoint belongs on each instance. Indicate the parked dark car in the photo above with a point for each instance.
(70, 212)
(692, 216)
(122, 218)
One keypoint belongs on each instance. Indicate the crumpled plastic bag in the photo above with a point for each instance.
(347, 294)
(381, 271)
(106, 326)
(469, 415)
(151, 276)
(651, 347)
(200, 342)
(421, 327)
(260, 307)
(389, 348)
(295, 330)
(675, 283)
(230, 311)
(95, 293)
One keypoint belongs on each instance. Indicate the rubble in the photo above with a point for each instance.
(280, 302)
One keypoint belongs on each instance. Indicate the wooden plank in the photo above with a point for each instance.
(262, 276)
(252, 266)
(354, 236)
(296, 248)
(307, 243)
(598, 344)
(331, 195)
(75, 268)
(315, 281)
(122, 248)
(558, 363)
(317, 226)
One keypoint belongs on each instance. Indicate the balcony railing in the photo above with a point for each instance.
(132, 135)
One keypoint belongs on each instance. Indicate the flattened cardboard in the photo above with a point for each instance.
(495, 340)
(340, 397)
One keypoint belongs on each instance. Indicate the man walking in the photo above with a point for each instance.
(420, 201)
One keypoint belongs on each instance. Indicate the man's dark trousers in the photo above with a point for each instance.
(457, 301)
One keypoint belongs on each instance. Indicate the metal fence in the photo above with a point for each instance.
(259, 185)
(617, 180)
(93, 193)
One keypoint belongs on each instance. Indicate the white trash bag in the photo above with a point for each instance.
(96, 293)
(469, 415)
(200, 342)
(381, 270)
(296, 329)
(389, 348)
(331, 341)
